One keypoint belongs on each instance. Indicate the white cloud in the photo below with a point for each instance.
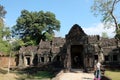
(97, 29)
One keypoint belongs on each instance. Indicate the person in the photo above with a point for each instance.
(77, 61)
(97, 72)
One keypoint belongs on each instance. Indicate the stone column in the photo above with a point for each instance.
(31, 58)
(20, 60)
(25, 61)
(68, 66)
(40, 59)
(85, 63)
(47, 59)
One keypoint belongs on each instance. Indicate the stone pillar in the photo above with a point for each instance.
(25, 61)
(40, 59)
(44, 58)
(85, 63)
(101, 57)
(20, 60)
(31, 60)
(68, 66)
(90, 61)
(47, 58)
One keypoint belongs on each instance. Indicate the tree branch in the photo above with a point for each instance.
(111, 12)
(113, 5)
(117, 1)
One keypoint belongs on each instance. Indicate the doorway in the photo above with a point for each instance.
(28, 60)
(77, 56)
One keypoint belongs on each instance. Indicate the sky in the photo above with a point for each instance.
(68, 12)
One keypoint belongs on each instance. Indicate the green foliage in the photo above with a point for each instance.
(117, 36)
(31, 27)
(113, 75)
(2, 15)
(17, 44)
(4, 33)
(4, 47)
(2, 12)
(4, 36)
(106, 8)
(1, 22)
(42, 75)
(104, 35)
(48, 36)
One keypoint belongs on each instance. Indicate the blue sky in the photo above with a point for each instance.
(68, 12)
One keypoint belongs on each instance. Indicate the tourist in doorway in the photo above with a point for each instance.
(77, 61)
(97, 71)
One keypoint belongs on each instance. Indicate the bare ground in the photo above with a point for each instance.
(74, 76)
(77, 75)
(9, 76)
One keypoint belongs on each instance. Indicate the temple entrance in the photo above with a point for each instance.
(77, 56)
(28, 60)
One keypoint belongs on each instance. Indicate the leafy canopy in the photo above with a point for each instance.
(2, 15)
(107, 9)
(31, 27)
(4, 33)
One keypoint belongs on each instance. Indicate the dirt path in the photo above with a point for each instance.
(8, 76)
(74, 76)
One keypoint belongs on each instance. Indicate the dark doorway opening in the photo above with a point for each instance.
(50, 59)
(42, 59)
(35, 60)
(28, 60)
(77, 56)
(96, 57)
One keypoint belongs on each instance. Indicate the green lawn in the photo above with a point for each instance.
(39, 75)
(114, 75)
(43, 74)
(21, 75)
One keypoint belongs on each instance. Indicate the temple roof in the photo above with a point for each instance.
(76, 30)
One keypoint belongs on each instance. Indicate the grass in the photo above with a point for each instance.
(21, 75)
(39, 75)
(3, 71)
(113, 74)
(43, 74)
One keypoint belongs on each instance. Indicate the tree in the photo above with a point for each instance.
(4, 33)
(16, 44)
(31, 27)
(107, 9)
(118, 33)
(104, 35)
(2, 15)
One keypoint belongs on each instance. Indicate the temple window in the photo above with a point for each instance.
(106, 58)
(115, 58)
(42, 59)
(50, 59)
(96, 57)
(58, 58)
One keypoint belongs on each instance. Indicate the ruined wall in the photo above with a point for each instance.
(59, 49)
(4, 61)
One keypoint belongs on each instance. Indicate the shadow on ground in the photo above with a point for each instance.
(2, 71)
(34, 73)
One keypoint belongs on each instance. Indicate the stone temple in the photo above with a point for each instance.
(76, 51)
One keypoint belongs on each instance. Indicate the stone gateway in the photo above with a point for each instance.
(76, 51)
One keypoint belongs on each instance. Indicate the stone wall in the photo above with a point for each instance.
(59, 49)
(5, 60)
